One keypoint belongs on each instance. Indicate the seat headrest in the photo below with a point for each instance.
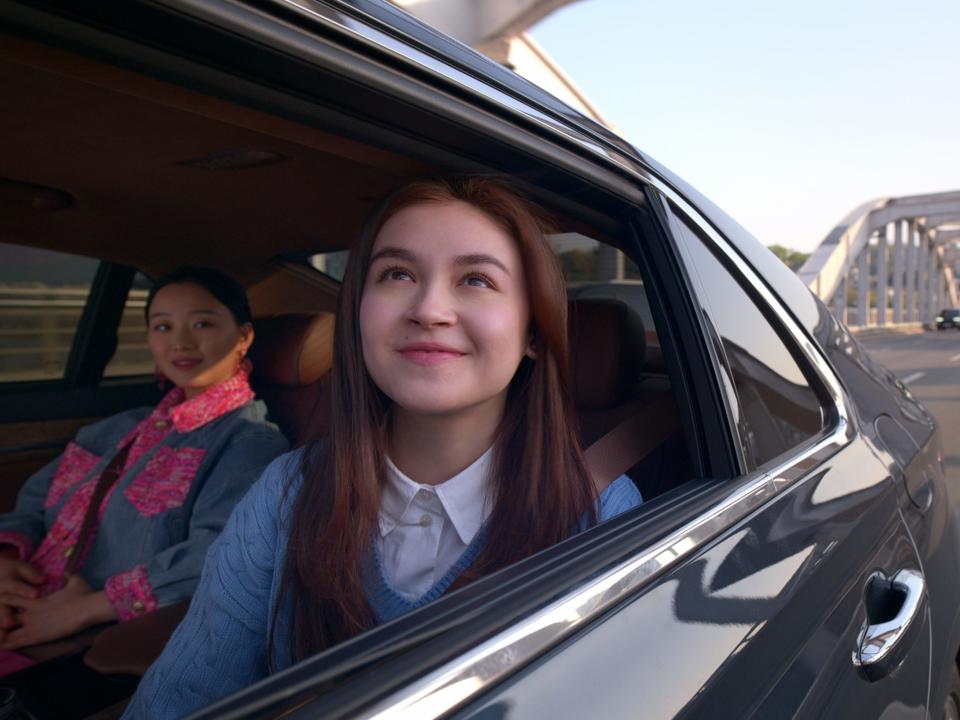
(293, 350)
(607, 351)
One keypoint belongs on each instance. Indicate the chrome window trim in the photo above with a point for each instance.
(464, 677)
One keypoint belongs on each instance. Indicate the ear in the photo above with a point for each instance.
(531, 351)
(246, 337)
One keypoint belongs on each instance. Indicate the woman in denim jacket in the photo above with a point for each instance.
(188, 462)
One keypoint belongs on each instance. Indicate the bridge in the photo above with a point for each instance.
(890, 261)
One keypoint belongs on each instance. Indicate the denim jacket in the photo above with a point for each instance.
(188, 464)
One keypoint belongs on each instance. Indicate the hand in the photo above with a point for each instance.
(58, 615)
(17, 579)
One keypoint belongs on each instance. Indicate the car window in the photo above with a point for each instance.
(595, 270)
(776, 407)
(132, 356)
(333, 264)
(619, 375)
(42, 296)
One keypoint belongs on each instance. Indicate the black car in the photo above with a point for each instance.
(798, 550)
(948, 318)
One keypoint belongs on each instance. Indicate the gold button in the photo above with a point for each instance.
(138, 606)
(69, 551)
(161, 424)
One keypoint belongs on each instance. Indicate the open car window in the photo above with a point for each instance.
(42, 297)
(132, 356)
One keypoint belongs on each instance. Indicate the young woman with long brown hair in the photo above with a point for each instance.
(452, 453)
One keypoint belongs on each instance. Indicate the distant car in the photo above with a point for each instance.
(948, 318)
(797, 552)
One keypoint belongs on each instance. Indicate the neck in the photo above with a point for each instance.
(432, 449)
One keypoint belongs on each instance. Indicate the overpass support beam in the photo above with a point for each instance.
(882, 249)
(941, 286)
(911, 276)
(898, 271)
(863, 286)
(933, 283)
(923, 281)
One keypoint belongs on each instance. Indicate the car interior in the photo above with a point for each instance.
(110, 177)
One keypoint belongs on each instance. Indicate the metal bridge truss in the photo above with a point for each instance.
(890, 261)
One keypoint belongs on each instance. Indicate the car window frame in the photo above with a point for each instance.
(90, 351)
(644, 547)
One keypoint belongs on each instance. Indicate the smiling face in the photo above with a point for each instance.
(194, 338)
(444, 316)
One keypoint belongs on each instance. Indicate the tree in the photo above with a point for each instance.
(793, 259)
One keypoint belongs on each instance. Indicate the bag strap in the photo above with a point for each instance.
(111, 473)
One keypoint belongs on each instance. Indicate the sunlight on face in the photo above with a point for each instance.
(444, 317)
(194, 338)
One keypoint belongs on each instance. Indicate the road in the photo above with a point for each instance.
(929, 363)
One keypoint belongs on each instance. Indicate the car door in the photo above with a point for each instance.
(767, 599)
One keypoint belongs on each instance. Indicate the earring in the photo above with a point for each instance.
(244, 364)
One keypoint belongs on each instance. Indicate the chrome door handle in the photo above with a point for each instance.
(883, 643)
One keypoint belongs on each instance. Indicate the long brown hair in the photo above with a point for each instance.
(541, 484)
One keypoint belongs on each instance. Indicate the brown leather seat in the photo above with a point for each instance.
(607, 350)
(292, 356)
(625, 413)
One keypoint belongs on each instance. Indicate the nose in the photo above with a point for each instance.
(432, 305)
(183, 340)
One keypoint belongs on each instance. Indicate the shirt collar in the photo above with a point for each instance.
(188, 415)
(464, 497)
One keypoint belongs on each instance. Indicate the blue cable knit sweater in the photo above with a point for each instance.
(221, 645)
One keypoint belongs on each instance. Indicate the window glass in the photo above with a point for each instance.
(619, 375)
(132, 356)
(595, 271)
(777, 407)
(42, 295)
(333, 264)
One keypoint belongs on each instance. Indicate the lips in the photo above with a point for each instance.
(430, 353)
(185, 363)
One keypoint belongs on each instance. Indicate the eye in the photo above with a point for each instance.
(160, 327)
(395, 272)
(202, 324)
(478, 279)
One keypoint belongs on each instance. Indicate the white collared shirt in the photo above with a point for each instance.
(424, 529)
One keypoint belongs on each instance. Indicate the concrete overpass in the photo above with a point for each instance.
(893, 260)
(498, 29)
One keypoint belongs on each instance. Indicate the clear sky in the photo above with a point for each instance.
(786, 114)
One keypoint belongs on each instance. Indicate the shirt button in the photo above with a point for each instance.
(161, 424)
(138, 606)
(69, 551)
(425, 520)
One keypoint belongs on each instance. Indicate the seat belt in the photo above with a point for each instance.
(632, 440)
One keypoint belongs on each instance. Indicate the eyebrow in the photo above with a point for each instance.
(480, 259)
(160, 313)
(471, 259)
